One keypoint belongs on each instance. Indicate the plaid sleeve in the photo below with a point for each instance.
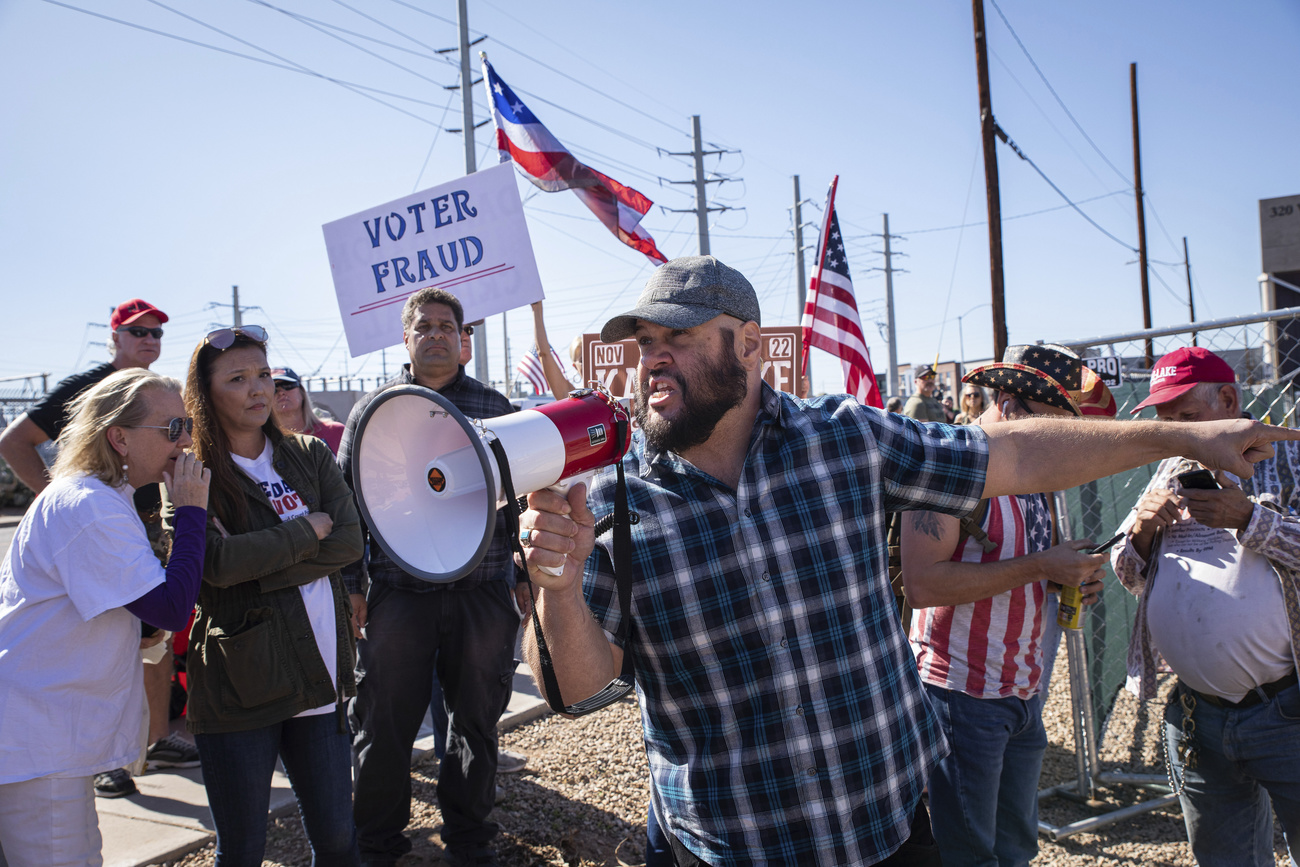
(935, 467)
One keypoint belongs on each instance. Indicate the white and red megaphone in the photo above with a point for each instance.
(429, 484)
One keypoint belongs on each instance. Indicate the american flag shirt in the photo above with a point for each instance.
(991, 648)
(784, 719)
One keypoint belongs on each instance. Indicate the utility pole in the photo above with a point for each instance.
(471, 165)
(701, 209)
(1191, 305)
(987, 135)
(237, 316)
(801, 280)
(1141, 208)
(894, 386)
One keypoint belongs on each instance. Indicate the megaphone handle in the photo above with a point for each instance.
(562, 488)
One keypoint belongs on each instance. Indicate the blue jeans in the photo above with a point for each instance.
(984, 794)
(1245, 760)
(468, 636)
(237, 768)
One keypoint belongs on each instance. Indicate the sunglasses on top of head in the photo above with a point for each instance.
(173, 427)
(224, 338)
(141, 331)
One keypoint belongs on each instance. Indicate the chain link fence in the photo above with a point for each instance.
(1264, 351)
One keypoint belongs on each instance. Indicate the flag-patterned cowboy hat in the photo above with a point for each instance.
(1096, 398)
(1044, 372)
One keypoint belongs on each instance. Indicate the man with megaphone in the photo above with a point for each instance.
(466, 627)
(784, 719)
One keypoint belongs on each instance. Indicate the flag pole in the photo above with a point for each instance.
(821, 263)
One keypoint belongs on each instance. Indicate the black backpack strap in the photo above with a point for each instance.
(623, 684)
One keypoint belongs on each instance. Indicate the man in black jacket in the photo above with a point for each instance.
(465, 629)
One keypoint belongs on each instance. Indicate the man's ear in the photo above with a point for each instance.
(749, 345)
(1228, 399)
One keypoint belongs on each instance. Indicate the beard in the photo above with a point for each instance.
(713, 391)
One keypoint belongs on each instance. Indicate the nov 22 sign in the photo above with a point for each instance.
(613, 365)
(468, 236)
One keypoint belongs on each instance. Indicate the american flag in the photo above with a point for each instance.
(830, 316)
(530, 368)
(541, 158)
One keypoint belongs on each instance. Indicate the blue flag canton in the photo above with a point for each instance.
(510, 106)
(1038, 522)
(836, 260)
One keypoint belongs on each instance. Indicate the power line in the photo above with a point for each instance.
(1007, 219)
(358, 89)
(1056, 96)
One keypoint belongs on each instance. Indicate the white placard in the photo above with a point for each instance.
(467, 236)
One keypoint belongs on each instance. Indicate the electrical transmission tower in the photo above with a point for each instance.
(701, 209)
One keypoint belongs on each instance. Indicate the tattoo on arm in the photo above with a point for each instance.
(927, 523)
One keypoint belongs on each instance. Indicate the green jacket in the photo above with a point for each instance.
(253, 659)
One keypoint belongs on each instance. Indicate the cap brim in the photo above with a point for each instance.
(162, 317)
(667, 314)
(1164, 395)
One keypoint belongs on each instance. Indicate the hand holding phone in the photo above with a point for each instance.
(1105, 546)
(1198, 480)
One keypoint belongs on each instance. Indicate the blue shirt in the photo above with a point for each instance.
(784, 719)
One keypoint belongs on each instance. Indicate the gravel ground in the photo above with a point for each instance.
(582, 799)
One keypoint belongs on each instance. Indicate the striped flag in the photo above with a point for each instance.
(830, 316)
(541, 158)
(530, 368)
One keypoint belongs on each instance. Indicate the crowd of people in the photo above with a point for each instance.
(790, 714)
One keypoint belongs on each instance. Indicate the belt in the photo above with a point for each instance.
(1251, 698)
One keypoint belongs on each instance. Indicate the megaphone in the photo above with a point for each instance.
(429, 484)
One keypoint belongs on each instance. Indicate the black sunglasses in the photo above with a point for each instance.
(286, 386)
(468, 329)
(173, 427)
(141, 331)
(223, 338)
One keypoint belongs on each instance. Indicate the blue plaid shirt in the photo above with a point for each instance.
(474, 400)
(784, 719)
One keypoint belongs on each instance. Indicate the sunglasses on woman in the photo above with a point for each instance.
(140, 331)
(173, 427)
(224, 338)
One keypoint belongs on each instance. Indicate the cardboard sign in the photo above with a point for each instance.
(468, 237)
(613, 365)
(1108, 369)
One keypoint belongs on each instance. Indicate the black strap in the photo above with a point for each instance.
(623, 684)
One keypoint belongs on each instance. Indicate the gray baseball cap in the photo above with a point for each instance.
(686, 292)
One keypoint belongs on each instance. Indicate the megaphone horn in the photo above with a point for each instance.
(429, 486)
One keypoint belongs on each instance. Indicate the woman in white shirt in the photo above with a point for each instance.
(78, 579)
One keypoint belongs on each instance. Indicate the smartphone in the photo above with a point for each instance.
(1105, 546)
(1199, 480)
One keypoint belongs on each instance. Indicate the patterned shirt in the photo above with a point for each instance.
(991, 648)
(783, 716)
(474, 400)
(1273, 531)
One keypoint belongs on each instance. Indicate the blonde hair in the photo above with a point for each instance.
(119, 400)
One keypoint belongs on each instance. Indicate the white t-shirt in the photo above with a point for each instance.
(71, 691)
(317, 595)
(1216, 612)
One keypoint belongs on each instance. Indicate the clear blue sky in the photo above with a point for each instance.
(138, 165)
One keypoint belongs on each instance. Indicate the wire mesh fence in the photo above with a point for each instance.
(1264, 351)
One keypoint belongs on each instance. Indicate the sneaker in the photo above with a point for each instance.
(509, 762)
(172, 751)
(114, 784)
(470, 856)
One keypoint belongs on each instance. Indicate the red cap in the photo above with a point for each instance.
(1183, 369)
(125, 314)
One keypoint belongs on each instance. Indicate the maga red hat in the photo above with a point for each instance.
(130, 311)
(1182, 370)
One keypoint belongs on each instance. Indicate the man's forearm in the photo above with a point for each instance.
(584, 659)
(1026, 457)
(26, 463)
(951, 583)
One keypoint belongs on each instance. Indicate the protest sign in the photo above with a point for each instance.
(613, 365)
(467, 236)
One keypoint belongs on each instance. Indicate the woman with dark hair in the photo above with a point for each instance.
(271, 648)
(79, 577)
